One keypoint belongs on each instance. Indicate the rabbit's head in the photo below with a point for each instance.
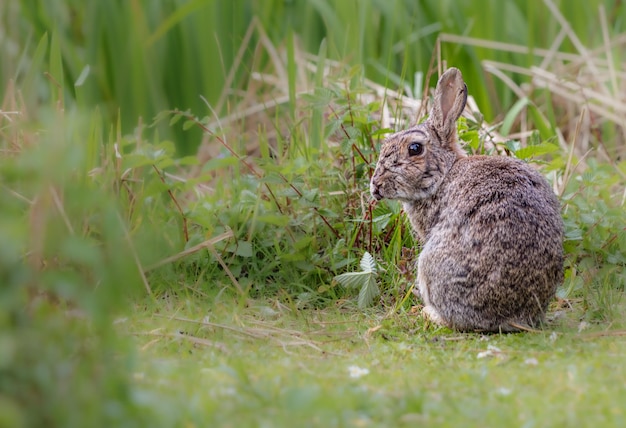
(413, 163)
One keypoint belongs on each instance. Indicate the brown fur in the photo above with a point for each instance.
(490, 226)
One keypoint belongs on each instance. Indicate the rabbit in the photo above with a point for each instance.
(490, 226)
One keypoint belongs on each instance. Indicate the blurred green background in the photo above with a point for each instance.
(135, 58)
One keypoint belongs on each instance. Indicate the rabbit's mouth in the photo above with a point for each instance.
(405, 192)
(375, 191)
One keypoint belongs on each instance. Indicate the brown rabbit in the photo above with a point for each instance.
(490, 226)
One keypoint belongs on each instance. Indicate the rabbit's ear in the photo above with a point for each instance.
(450, 99)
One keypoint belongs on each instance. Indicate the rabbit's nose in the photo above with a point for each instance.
(375, 191)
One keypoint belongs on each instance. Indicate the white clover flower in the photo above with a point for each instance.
(491, 351)
(357, 372)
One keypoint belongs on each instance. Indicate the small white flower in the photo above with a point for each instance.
(504, 391)
(583, 326)
(491, 351)
(553, 336)
(357, 372)
(484, 354)
(531, 361)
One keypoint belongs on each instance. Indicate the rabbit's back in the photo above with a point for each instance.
(492, 252)
(488, 189)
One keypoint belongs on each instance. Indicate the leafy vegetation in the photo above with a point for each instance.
(236, 269)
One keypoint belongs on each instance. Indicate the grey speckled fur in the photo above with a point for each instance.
(490, 226)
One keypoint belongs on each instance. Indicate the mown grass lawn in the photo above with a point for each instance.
(220, 364)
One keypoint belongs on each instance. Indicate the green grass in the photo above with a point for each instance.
(109, 233)
(266, 365)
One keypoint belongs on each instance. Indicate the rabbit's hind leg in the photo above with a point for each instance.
(431, 314)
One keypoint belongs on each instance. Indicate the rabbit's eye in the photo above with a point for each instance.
(416, 149)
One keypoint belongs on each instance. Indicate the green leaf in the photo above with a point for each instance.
(365, 280)
(507, 123)
(332, 127)
(160, 116)
(472, 138)
(538, 150)
(305, 242)
(175, 118)
(513, 145)
(320, 98)
(220, 163)
(382, 132)
(274, 219)
(368, 292)
(188, 124)
(381, 221)
(83, 76)
(187, 160)
(353, 279)
(543, 126)
(179, 14)
(244, 249)
(367, 263)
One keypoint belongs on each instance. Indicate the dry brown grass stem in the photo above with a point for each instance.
(228, 84)
(594, 335)
(569, 89)
(58, 203)
(132, 249)
(209, 243)
(588, 79)
(193, 339)
(569, 168)
(608, 50)
(283, 337)
(506, 47)
(178, 207)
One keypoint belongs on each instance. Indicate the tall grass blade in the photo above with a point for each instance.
(34, 73)
(56, 69)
